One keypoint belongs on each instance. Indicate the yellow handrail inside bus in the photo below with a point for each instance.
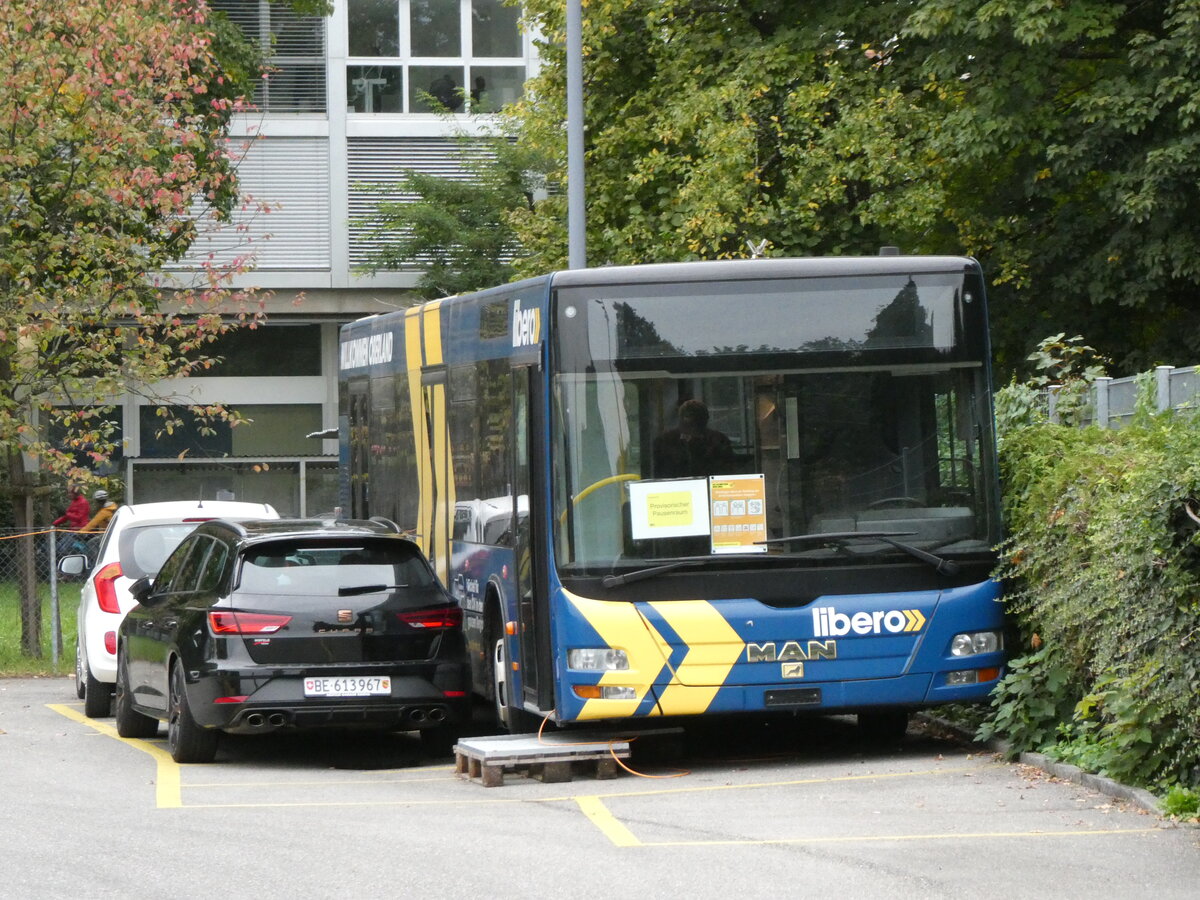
(596, 485)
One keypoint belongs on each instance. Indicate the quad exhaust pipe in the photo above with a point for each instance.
(419, 715)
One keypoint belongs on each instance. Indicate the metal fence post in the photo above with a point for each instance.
(1162, 380)
(1100, 392)
(55, 619)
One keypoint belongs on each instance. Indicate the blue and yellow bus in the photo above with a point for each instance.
(690, 489)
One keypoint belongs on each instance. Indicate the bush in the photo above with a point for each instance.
(1103, 565)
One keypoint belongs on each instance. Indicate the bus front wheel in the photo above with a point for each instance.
(509, 714)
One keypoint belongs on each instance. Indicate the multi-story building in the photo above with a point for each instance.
(343, 114)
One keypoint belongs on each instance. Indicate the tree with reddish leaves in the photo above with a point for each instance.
(114, 152)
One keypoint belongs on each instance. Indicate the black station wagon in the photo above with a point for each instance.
(251, 627)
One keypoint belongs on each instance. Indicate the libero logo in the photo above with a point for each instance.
(828, 622)
(526, 325)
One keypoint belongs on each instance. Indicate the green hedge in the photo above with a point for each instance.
(1103, 575)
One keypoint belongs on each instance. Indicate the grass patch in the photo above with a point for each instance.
(14, 663)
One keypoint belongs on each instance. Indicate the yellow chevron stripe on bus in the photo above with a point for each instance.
(442, 514)
(620, 625)
(713, 648)
(413, 360)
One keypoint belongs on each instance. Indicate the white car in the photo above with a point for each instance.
(138, 540)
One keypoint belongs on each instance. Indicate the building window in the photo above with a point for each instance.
(270, 351)
(374, 166)
(418, 56)
(274, 430)
(292, 48)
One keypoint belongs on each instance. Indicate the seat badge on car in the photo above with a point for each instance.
(345, 615)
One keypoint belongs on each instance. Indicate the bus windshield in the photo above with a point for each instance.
(743, 421)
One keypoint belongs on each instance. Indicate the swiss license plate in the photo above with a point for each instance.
(348, 686)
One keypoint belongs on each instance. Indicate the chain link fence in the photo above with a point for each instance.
(37, 604)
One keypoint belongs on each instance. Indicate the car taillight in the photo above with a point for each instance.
(106, 590)
(438, 617)
(227, 621)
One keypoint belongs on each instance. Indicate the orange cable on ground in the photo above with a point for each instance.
(611, 749)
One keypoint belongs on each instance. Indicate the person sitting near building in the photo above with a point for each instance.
(104, 511)
(692, 450)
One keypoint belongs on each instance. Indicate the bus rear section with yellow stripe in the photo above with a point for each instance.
(688, 657)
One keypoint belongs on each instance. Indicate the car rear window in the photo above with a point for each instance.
(144, 548)
(314, 568)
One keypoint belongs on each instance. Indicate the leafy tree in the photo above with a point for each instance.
(1055, 141)
(1072, 132)
(710, 125)
(459, 231)
(113, 142)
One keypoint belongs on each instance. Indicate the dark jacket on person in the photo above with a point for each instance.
(678, 454)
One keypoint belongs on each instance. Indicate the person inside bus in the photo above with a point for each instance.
(692, 449)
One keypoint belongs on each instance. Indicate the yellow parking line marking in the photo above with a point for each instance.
(880, 838)
(166, 781)
(168, 795)
(609, 825)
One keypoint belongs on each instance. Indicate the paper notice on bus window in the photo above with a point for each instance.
(665, 509)
(739, 513)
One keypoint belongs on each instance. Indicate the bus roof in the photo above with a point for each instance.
(740, 269)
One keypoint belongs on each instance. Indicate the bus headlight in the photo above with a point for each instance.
(971, 643)
(603, 659)
(605, 692)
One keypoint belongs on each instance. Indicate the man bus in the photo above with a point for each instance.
(837, 560)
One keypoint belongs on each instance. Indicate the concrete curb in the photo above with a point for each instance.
(1141, 798)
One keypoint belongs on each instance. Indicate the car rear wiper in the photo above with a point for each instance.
(368, 589)
(940, 564)
(612, 581)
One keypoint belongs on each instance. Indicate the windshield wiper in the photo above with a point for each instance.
(612, 581)
(368, 589)
(940, 564)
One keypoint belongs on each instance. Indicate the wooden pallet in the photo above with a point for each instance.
(551, 758)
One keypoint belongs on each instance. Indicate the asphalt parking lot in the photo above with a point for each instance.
(796, 809)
